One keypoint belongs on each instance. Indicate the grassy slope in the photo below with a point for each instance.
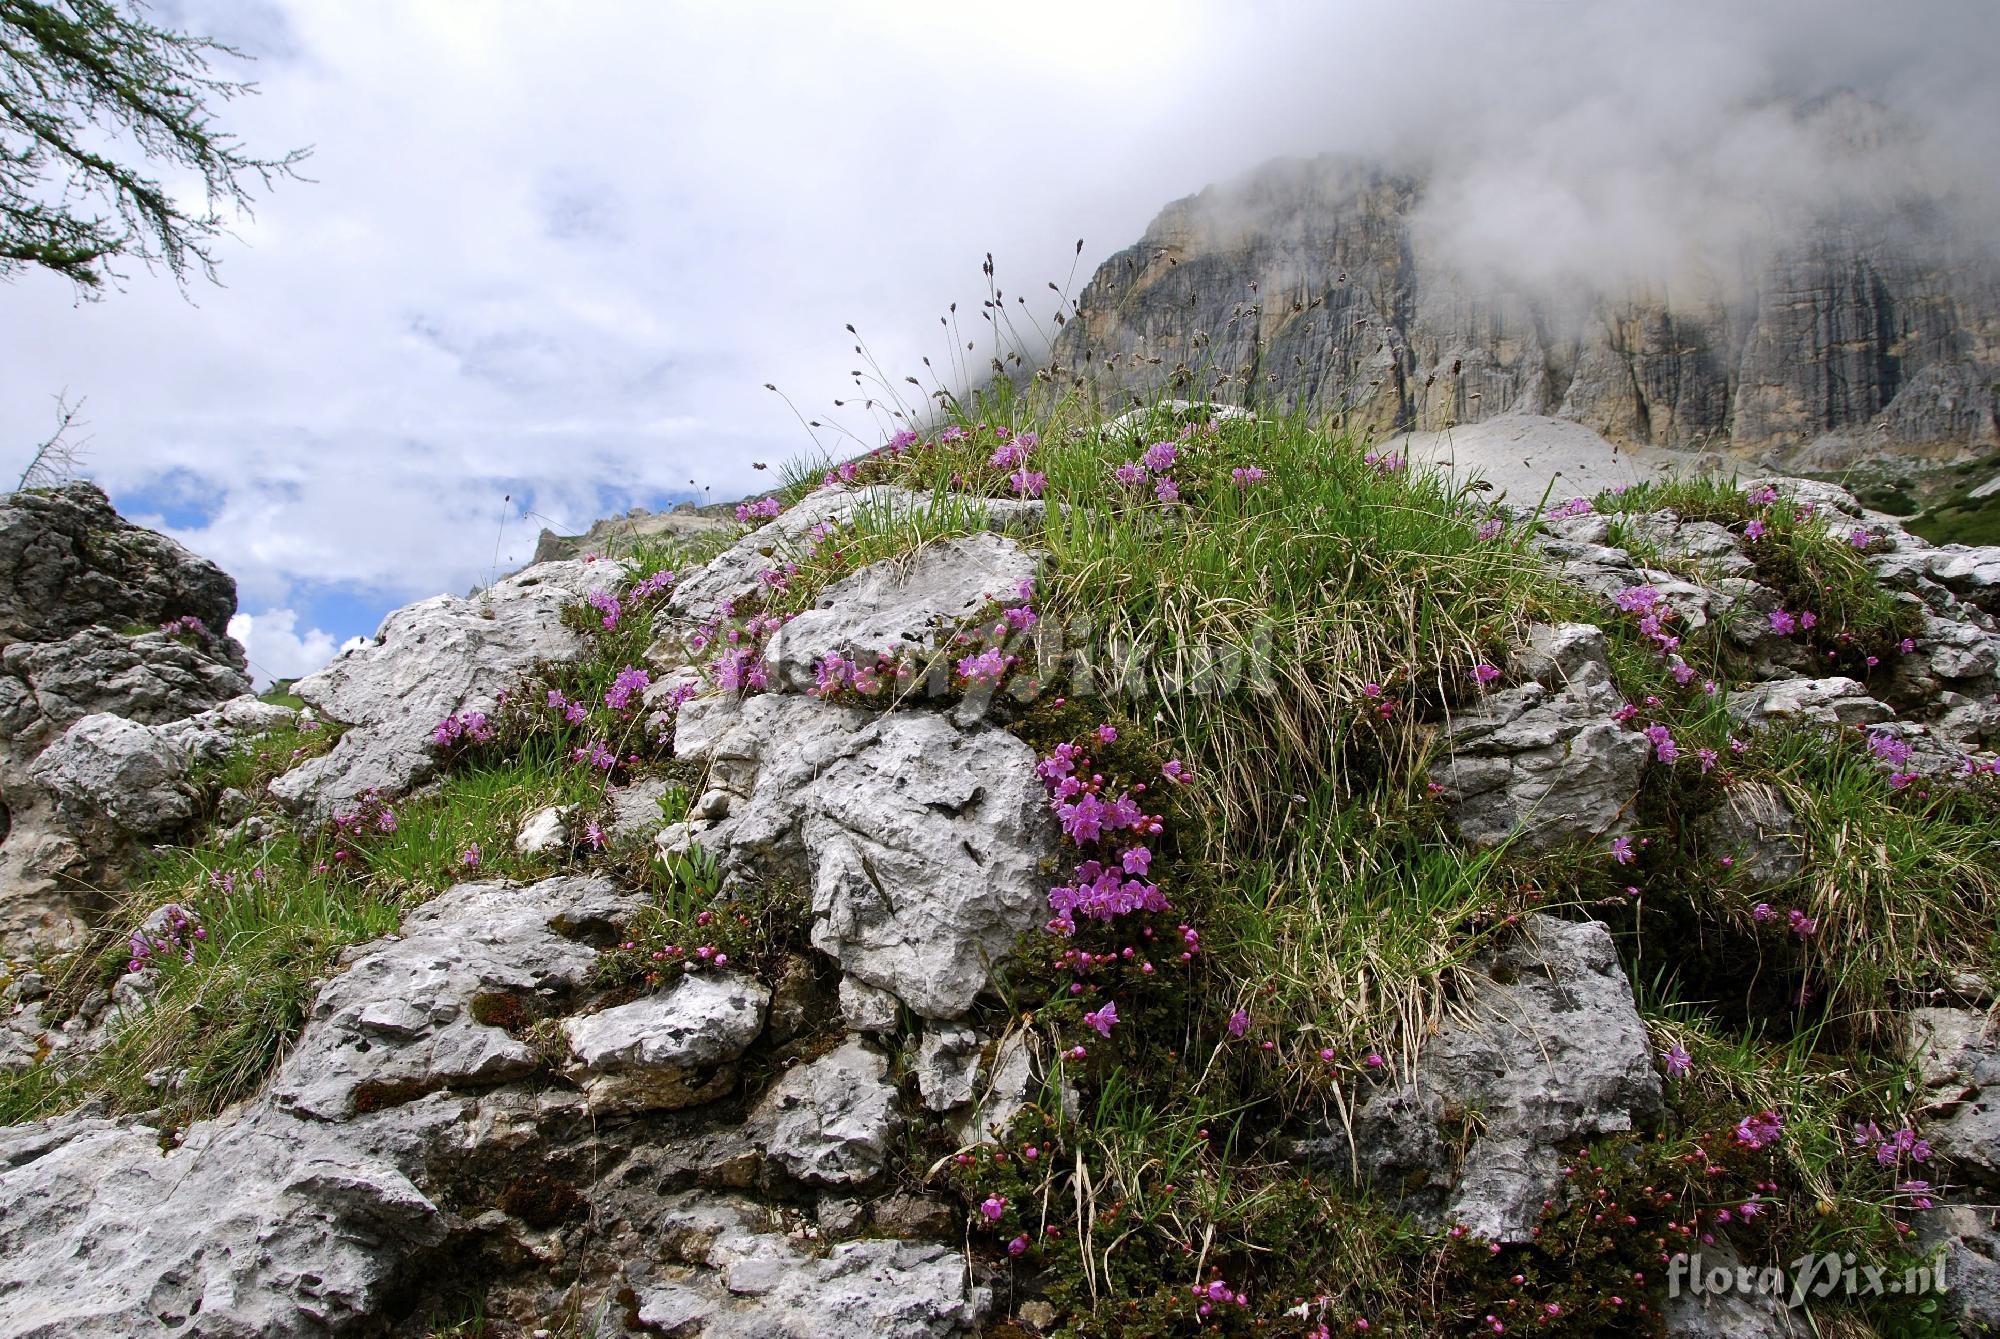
(1303, 637)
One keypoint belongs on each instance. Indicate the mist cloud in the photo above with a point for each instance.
(547, 264)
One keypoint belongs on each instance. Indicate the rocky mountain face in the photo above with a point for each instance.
(467, 1102)
(100, 622)
(1314, 284)
(618, 534)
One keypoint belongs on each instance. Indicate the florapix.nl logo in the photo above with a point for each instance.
(1809, 1276)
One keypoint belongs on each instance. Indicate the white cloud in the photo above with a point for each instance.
(557, 254)
(277, 650)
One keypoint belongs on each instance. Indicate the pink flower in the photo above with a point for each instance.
(1485, 673)
(1160, 457)
(1664, 747)
(1239, 1022)
(1783, 623)
(985, 668)
(1677, 1061)
(1103, 1019)
(628, 682)
(1759, 1130)
(1490, 530)
(1621, 850)
(1028, 483)
(1176, 771)
(1888, 748)
(993, 1206)
(1754, 530)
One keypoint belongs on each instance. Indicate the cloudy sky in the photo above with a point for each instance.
(549, 255)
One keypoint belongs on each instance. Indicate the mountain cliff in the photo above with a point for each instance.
(1858, 332)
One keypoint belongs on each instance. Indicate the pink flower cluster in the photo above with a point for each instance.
(736, 659)
(607, 604)
(1760, 1131)
(186, 624)
(462, 726)
(986, 668)
(1654, 615)
(1216, 1293)
(596, 754)
(1155, 462)
(836, 673)
(611, 608)
(177, 936)
(1889, 1149)
(1114, 881)
(763, 509)
(1012, 454)
(629, 682)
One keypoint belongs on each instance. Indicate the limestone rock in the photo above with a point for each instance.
(899, 607)
(1168, 415)
(301, 1211)
(1549, 1047)
(1730, 1314)
(430, 1009)
(113, 770)
(269, 1227)
(1544, 762)
(545, 830)
(947, 1066)
(737, 572)
(829, 1122)
(47, 859)
(147, 677)
(616, 536)
(635, 809)
(443, 655)
(923, 843)
(1702, 542)
(1002, 1094)
(1833, 701)
(672, 1049)
(1957, 1053)
(1969, 1237)
(866, 1008)
(754, 1283)
(69, 561)
(1754, 827)
(1958, 1058)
